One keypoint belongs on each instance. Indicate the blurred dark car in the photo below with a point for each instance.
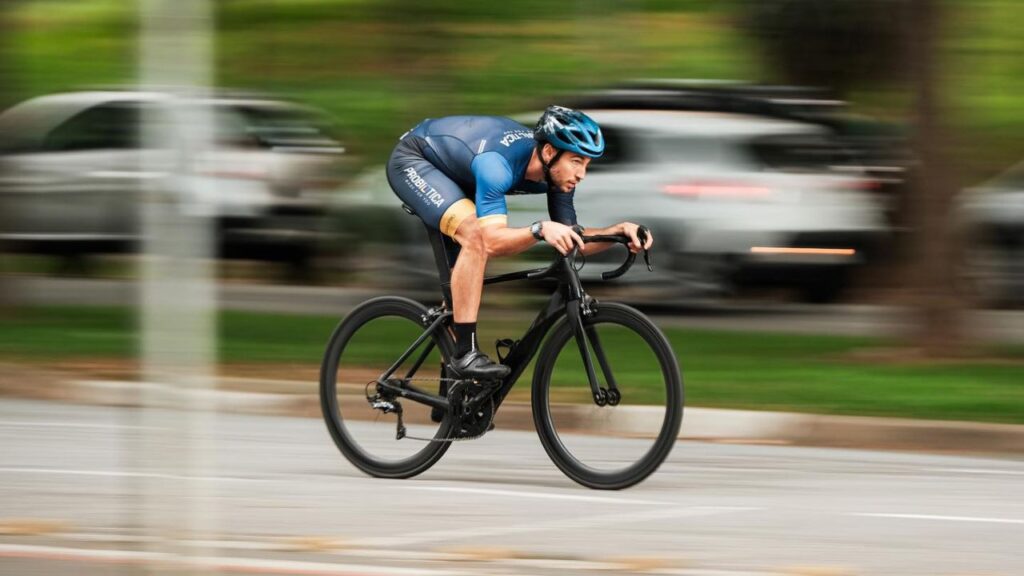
(993, 216)
(73, 167)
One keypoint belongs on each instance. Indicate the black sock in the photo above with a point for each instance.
(465, 338)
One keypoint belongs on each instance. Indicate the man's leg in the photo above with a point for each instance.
(468, 273)
(410, 175)
(467, 288)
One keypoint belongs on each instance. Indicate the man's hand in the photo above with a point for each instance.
(631, 230)
(560, 236)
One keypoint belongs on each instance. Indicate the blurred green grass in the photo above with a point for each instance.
(820, 374)
(379, 66)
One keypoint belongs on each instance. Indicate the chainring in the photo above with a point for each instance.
(469, 424)
(470, 421)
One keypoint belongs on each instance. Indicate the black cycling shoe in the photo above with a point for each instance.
(478, 366)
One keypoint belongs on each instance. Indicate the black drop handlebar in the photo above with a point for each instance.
(642, 235)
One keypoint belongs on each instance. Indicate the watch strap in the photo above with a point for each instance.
(535, 229)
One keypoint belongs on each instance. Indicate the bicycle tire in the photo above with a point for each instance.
(406, 313)
(626, 320)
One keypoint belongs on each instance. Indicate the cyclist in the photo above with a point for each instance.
(454, 173)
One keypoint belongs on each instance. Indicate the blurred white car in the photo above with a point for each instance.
(73, 167)
(732, 199)
(993, 214)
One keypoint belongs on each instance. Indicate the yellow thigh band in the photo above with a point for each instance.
(455, 214)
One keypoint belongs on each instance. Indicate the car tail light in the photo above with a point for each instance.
(716, 189)
(864, 184)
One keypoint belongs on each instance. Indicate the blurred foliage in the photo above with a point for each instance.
(382, 65)
(807, 373)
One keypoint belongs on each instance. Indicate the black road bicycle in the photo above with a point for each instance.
(603, 368)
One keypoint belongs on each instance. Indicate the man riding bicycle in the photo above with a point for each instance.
(454, 173)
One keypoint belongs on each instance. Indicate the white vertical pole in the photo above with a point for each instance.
(178, 304)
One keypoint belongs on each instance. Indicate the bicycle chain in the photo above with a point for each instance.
(451, 438)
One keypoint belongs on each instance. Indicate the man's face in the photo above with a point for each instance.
(568, 171)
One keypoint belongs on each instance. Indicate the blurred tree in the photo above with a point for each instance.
(6, 98)
(839, 44)
(420, 52)
(936, 247)
(855, 44)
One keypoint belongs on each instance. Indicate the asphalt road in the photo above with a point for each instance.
(848, 319)
(280, 499)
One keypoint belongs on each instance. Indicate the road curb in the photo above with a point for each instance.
(705, 424)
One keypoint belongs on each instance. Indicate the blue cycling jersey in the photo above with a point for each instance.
(487, 157)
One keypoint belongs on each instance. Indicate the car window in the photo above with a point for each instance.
(232, 129)
(616, 150)
(273, 126)
(799, 152)
(103, 127)
(703, 150)
(1014, 178)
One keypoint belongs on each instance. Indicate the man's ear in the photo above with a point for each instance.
(547, 152)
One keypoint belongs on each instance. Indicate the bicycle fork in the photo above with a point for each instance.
(586, 338)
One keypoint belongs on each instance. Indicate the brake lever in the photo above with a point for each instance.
(643, 234)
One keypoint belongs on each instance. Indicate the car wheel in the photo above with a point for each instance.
(825, 288)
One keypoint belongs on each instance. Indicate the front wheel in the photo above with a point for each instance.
(612, 446)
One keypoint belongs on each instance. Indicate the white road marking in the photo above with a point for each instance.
(943, 518)
(226, 564)
(123, 474)
(982, 471)
(560, 524)
(541, 495)
(26, 424)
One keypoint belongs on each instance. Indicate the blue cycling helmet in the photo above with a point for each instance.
(569, 130)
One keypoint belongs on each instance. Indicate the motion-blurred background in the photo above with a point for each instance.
(192, 194)
(849, 169)
(843, 168)
(884, 133)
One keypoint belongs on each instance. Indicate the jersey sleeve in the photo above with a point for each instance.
(494, 178)
(561, 208)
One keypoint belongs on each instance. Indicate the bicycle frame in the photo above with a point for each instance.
(569, 300)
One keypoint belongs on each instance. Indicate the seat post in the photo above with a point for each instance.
(446, 251)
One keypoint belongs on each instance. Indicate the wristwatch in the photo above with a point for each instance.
(535, 229)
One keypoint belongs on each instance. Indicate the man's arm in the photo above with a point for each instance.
(561, 208)
(624, 229)
(500, 240)
(493, 179)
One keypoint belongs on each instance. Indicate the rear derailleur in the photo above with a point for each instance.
(386, 402)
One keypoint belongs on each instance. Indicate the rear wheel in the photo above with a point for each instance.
(612, 446)
(363, 347)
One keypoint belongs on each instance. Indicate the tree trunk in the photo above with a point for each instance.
(6, 99)
(935, 245)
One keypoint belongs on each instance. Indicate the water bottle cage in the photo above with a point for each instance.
(505, 343)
